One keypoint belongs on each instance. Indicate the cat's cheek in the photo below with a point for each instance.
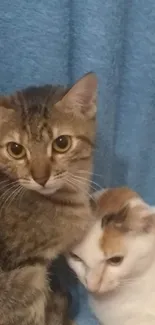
(108, 287)
(109, 282)
(94, 278)
(80, 271)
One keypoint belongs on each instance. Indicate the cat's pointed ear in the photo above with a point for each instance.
(81, 98)
(146, 222)
(140, 218)
(149, 223)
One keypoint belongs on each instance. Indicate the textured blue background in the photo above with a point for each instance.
(45, 41)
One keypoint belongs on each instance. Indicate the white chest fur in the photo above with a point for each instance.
(134, 304)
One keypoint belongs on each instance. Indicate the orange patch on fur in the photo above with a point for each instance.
(112, 241)
(137, 218)
(113, 199)
(111, 202)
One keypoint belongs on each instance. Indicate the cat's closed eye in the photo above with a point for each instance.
(115, 260)
(75, 257)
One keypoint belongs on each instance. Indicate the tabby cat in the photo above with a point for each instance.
(46, 146)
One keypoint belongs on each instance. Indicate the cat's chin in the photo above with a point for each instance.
(43, 190)
(47, 191)
(104, 290)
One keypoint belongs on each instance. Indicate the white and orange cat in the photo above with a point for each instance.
(116, 260)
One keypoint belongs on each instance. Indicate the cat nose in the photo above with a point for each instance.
(41, 181)
(41, 175)
(92, 284)
(94, 278)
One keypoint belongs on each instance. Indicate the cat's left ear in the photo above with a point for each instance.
(81, 98)
(147, 223)
(140, 219)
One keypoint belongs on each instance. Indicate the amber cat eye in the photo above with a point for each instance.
(62, 143)
(115, 260)
(16, 150)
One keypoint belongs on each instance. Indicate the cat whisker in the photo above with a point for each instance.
(82, 182)
(4, 186)
(12, 195)
(90, 173)
(4, 181)
(128, 281)
(91, 182)
(78, 187)
(3, 198)
(124, 282)
(8, 184)
(72, 184)
(21, 194)
(7, 190)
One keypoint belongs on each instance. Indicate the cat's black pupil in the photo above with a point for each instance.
(62, 142)
(16, 148)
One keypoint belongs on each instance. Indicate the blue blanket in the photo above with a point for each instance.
(44, 41)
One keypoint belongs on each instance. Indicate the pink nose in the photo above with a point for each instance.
(92, 285)
(94, 278)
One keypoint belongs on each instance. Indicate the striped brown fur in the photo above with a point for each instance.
(35, 228)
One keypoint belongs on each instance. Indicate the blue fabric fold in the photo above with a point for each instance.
(58, 41)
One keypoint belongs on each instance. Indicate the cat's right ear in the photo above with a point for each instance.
(81, 98)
